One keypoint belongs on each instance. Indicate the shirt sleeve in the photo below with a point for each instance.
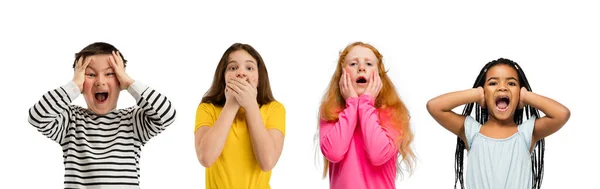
(205, 116)
(52, 113)
(471, 129)
(379, 141)
(335, 136)
(153, 114)
(527, 129)
(276, 117)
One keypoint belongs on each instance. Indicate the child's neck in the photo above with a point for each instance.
(492, 121)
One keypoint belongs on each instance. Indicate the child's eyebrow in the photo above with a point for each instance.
(357, 58)
(249, 61)
(508, 78)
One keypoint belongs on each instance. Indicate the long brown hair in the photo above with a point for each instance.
(388, 100)
(216, 94)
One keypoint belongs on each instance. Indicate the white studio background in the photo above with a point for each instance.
(430, 48)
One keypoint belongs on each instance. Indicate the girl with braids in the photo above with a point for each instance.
(363, 123)
(505, 139)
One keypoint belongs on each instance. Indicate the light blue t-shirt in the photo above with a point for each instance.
(499, 163)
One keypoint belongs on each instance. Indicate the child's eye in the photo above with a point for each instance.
(110, 74)
(91, 75)
(369, 64)
(250, 68)
(353, 64)
(492, 83)
(512, 84)
(231, 68)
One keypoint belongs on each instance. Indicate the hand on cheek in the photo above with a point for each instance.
(374, 85)
(346, 88)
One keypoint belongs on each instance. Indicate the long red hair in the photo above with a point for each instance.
(394, 110)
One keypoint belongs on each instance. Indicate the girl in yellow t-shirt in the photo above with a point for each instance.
(240, 127)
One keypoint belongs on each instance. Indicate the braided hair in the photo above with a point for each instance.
(481, 115)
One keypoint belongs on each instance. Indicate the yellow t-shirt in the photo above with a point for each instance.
(237, 168)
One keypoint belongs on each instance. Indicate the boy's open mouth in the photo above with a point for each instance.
(361, 80)
(101, 97)
(502, 103)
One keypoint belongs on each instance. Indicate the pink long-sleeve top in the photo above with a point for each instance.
(362, 153)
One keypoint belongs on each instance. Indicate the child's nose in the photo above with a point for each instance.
(100, 81)
(502, 88)
(241, 73)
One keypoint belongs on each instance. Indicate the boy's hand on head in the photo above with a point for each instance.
(346, 86)
(79, 76)
(245, 92)
(481, 100)
(374, 85)
(116, 62)
(522, 97)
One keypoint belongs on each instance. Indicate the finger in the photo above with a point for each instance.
(341, 84)
(239, 83)
(232, 88)
(246, 82)
(235, 86)
(79, 63)
(114, 58)
(86, 63)
(347, 81)
(369, 83)
(119, 58)
(112, 62)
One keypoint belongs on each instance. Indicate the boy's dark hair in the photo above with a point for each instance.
(481, 115)
(216, 94)
(98, 48)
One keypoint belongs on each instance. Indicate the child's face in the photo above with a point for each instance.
(360, 62)
(100, 87)
(502, 90)
(242, 65)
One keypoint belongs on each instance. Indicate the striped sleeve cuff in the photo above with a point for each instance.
(136, 89)
(72, 90)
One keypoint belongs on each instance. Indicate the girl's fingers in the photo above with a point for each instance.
(348, 82)
(234, 88)
(240, 84)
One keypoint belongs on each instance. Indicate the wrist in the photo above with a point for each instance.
(231, 106)
(127, 82)
(478, 93)
(524, 97)
(252, 105)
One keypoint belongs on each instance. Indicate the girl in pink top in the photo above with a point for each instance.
(364, 125)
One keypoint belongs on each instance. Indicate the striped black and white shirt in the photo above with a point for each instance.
(101, 151)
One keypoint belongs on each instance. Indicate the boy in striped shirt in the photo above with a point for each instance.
(101, 144)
